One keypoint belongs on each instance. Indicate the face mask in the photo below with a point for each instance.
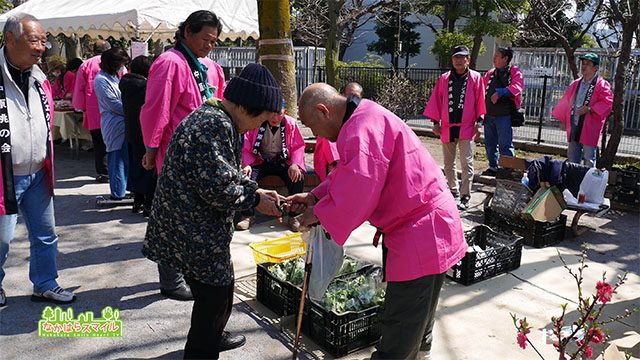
(122, 71)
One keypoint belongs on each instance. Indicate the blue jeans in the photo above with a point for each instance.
(577, 152)
(498, 135)
(36, 206)
(118, 167)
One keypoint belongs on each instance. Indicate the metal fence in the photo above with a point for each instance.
(547, 77)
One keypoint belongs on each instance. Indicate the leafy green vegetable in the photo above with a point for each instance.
(353, 295)
(289, 270)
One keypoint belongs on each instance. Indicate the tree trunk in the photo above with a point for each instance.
(333, 43)
(571, 61)
(608, 155)
(475, 51)
(276, 49)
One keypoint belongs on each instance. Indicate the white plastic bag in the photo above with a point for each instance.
(593, 185)
(326, 260)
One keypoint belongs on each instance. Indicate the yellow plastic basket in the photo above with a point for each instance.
(278, 250)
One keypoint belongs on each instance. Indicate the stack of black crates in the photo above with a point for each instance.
(537, 234)
(339, 334)
(626, 190)
(500, 253)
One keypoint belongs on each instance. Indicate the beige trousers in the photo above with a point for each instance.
(467, 149)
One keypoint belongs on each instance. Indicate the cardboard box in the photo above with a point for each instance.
(546, 205)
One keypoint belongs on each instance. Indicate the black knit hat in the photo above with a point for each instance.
(255, 88)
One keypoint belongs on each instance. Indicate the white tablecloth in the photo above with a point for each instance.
(68, 125)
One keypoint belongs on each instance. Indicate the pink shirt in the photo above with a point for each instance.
(84, 98)
(326, 153)
(600, 104)
(385, 175)
(68, 80)
(172, 94)
(516, 86)
(293, 142)
(474, 107)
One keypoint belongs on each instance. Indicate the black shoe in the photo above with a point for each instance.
(183, 293)
(230, 342)
(3, 298)
(137, 208)
(455, 194)
(490, 172)
(464, 202)
(146, 212)
(102, 179)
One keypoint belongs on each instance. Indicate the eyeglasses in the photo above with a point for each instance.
(35, 41)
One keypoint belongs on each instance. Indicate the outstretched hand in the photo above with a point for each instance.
(298, 203)
(269, 202)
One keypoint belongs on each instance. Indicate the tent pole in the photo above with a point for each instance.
(153, 32)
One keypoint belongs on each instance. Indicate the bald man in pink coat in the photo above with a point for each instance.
(386, 176)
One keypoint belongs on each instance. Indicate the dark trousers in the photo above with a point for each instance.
(279, 169)
(99, 151)
(169, 278)
(211, 310)
(409, 315)
(142, 181)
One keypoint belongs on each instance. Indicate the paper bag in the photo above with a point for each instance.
(546, 205)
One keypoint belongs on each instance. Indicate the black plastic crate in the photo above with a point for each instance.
(501, 253)
(629, 177)
(535, 233)
(281, 297)
(341, 334)
(626, 196)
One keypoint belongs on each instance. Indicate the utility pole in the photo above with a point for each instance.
(275, 48)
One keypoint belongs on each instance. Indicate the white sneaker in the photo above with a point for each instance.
(3, 297)
(56, 295)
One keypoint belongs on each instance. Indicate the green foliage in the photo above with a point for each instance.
(445, 41)
(487, 26)
(369, 61)
(570, 28)
(387, 31)
(122, 42)
(5, 6)
(249, 42)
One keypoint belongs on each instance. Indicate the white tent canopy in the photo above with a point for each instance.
(157, 19)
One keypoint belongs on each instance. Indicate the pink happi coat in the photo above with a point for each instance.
(172, 94)
(326, 153)
(386, 176)
(68, 80)
(600, 104)
(84, 98)
(474, 107)
(516, 86)
(293, 141)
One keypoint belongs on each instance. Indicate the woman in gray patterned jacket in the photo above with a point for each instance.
(200, 187)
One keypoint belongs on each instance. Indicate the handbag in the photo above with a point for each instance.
(517, 116)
